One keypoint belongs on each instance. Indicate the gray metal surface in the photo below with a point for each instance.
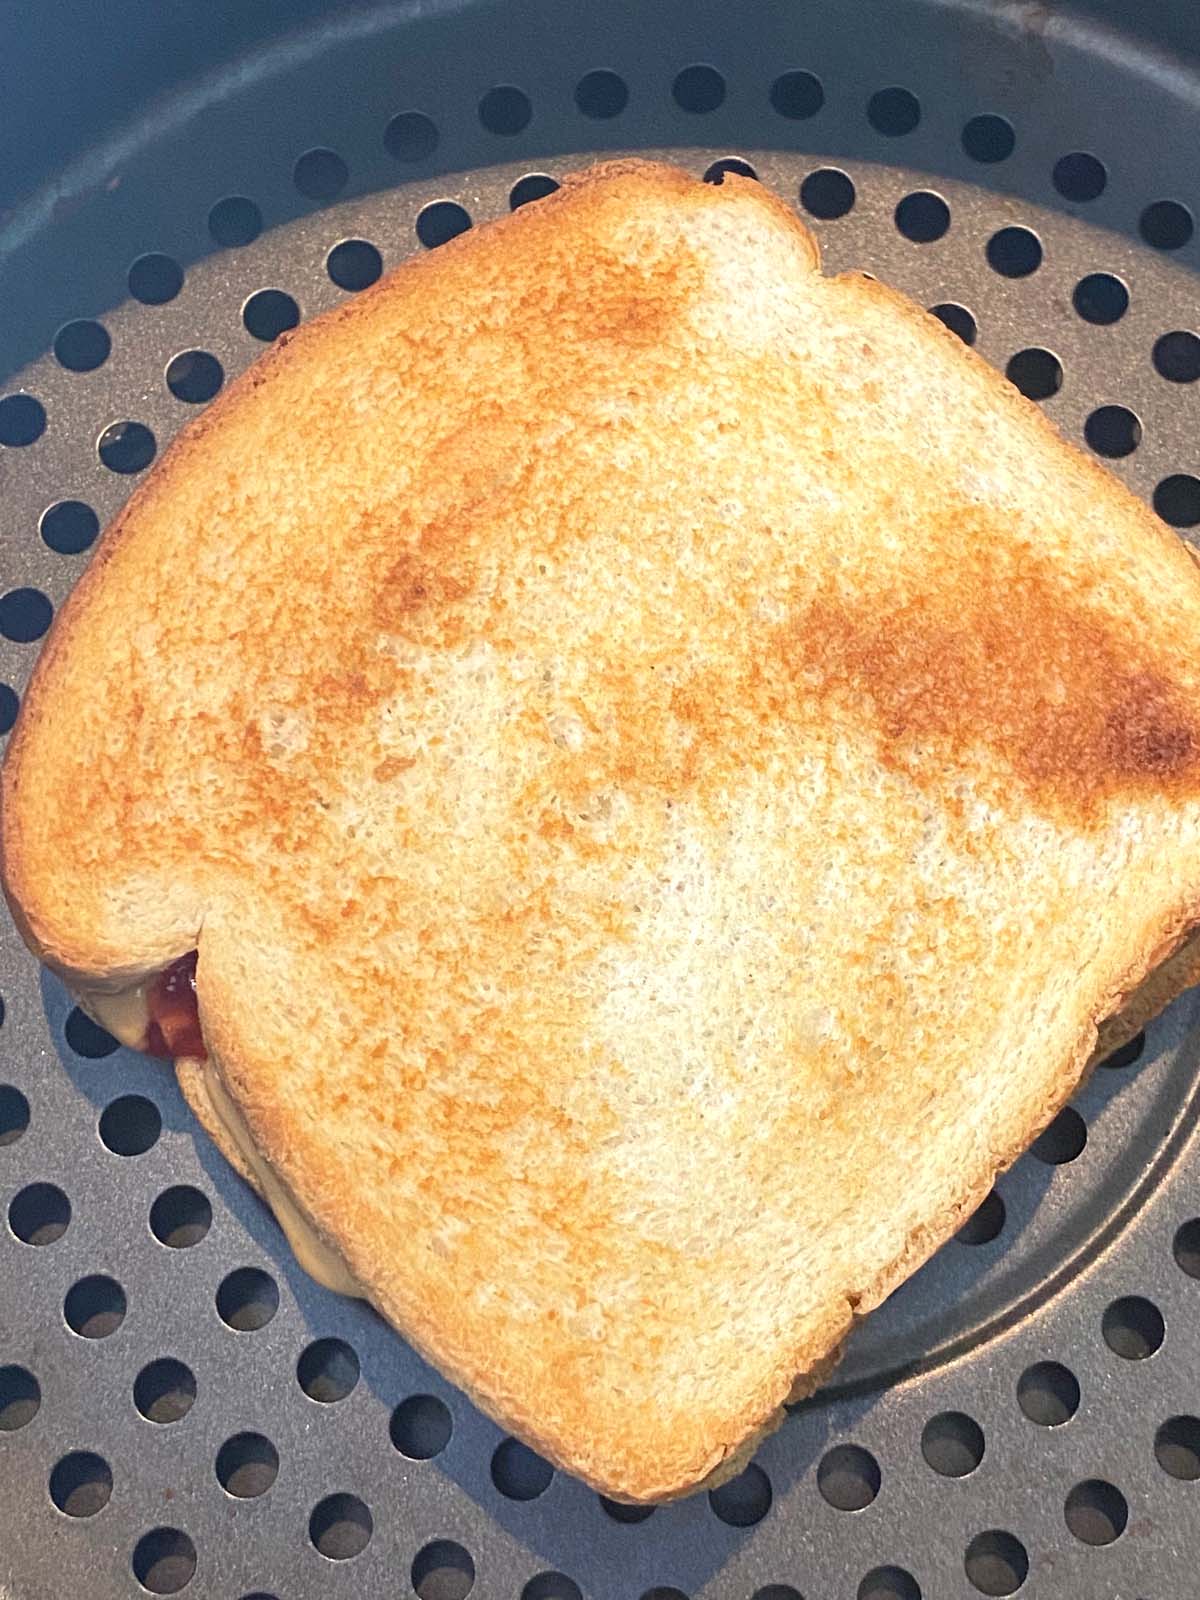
(931, 1465)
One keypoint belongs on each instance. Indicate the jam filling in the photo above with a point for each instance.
(174, 1027)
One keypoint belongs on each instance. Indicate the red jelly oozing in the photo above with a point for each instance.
(174, 1026)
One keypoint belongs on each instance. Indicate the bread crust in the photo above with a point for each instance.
(1084, 750)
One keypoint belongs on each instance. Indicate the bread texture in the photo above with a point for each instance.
(667, 760)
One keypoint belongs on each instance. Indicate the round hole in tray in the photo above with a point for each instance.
(247, 1465)
(952, 1443)
(1096, 1512)
(1133, 1327)
(1186, 1247)
(1037, 373)
(328, 1370)
(1177, 500)
(1129, 1053)
(81, 1483)
(957, 318)
(894, 111)
(1014, 252)
(95, 1306)
(164, 1561)
(716, 171)
(354, 264)
(1063, 1141)
(126, 447)
(889, 1583)
(130, 1125)
(848, 1477)
(20, 1398)
(443, 1570)
(505, 110)
(1177, 356)
(320, 174)
(996, 1562)
(420, 1427)
(25, 615)
(601, 94)
(235, 220)
(618, 1511)
(923, 216)
(441, 221)
(1113, 431)
(9, 706)
(411, 136)
(743, 1500)
(827, 193)
(551, 1586)
(164, 1391)
(22, 420)
(797, 95)
(519, 1472)
(87, 1038)
(1048, 1394)
(1166, 225)
(1101, 298)
(14, 1114)
(155, 279)
(341, 1526)
(39, 1214)
(1079, 176)
(82, 345)
(989, 138)
(533, 186)
(247, 1299)
(985, 1224)
(269, 312)
(69, 526)
(1177, 1447)
(180, 1216)
(698, 88)
(194, 376)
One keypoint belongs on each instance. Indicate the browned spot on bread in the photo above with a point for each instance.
(1148, 731)
(1003, 656)
(640, 317)
(465, 472)
(350, 689)
(638, 302)
(411, 586)
(393, 767)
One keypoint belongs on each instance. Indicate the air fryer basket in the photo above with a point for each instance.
(180, 1408)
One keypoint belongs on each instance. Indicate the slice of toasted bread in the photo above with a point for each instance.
(666, 759)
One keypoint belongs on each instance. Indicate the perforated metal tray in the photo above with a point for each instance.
(180, 1409)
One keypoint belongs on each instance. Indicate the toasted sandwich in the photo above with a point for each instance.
(633, 778)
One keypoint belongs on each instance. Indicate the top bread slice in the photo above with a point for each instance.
(667, 760)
